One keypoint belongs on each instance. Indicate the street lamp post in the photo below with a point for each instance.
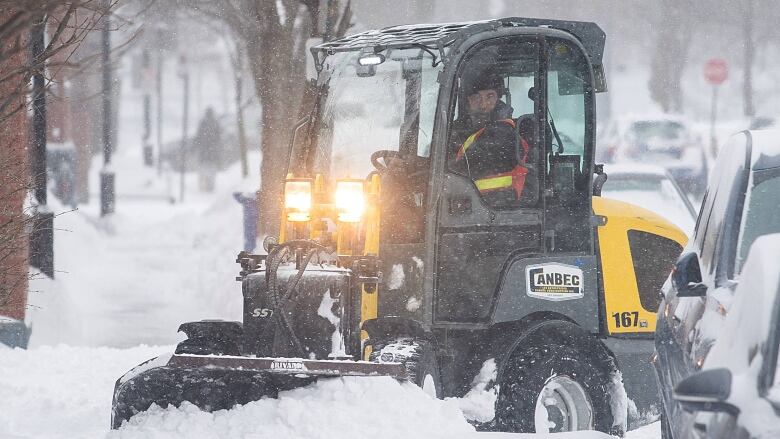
(106, 174)
(42, 235)
(185, 76)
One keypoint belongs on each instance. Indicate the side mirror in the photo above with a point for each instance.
(706, 391)
(687, 277)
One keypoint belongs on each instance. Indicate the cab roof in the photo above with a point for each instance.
(439, 36)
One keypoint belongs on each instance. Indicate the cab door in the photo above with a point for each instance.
(480, 230)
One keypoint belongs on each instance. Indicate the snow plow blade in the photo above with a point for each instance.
(216, 382)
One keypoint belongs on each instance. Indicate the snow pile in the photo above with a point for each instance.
(65, 392)
(62, 392)
(619, 403)
(343, 407)
(479, 403)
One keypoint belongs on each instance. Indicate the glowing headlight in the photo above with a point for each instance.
(297, 200)
(350, 200)
(371, 59)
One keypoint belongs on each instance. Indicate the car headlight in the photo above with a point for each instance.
(350, 200)
(297, 199)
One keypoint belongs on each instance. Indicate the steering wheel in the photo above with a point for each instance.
(385, 155)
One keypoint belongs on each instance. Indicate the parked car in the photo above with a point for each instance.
(737, 395)
(740, 204)
(653, 188)
(665, 140)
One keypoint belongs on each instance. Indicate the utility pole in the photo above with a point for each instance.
(106, 174)
(159, 105)
(146, 79)
(185, 76)
(42, 236)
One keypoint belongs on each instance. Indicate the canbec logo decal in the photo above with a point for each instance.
(554, 281)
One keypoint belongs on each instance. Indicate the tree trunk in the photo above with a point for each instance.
(276, 61)
(670, 54)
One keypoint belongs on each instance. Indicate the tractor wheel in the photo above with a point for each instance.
(419, 358)
(554, 389)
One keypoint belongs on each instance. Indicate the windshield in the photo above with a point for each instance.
(760, 214)
(390, 106)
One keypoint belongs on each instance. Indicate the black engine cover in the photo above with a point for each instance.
(315, 311)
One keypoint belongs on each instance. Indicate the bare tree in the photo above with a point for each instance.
(273, 34)
(674, 31)
(68, 22)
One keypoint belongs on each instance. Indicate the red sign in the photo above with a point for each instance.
(716, 71)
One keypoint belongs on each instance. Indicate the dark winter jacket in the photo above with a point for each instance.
(492, 151)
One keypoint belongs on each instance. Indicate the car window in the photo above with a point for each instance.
(721, 209)
(760, 214)
(653, 257)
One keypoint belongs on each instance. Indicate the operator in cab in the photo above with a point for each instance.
(486, 146)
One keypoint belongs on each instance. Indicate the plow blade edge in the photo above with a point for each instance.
(220, 382)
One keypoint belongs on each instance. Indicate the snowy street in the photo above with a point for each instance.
(417, 219)
(65, 392)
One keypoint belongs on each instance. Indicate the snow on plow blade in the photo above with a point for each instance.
(213, 382)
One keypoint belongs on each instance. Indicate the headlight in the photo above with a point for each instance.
(297, 200)
(350, 200)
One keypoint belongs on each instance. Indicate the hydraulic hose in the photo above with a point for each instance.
(274, 260)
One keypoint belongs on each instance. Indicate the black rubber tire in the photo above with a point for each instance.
(417, 355)
(528, 371)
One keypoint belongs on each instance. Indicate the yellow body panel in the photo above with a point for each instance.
(369, 301)
(620, 285)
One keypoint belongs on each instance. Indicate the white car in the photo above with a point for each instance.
(737, 395)
(650, 187)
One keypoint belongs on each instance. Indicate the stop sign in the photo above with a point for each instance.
(716, 71)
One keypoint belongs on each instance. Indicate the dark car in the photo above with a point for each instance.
(741, 203)
(737, 395)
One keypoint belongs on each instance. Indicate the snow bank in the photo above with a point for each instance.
(343, 407)
(62, 391)
(65, 392)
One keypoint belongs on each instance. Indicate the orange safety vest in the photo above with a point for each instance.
(514, 179)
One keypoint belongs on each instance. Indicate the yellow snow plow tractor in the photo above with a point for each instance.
(442, 221)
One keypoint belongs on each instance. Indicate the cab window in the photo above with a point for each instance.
(566, 86)
(493, 137)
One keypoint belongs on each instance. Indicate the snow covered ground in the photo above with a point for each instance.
(65, 392)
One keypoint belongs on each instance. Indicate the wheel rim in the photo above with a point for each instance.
(429, 386)
(563, 405)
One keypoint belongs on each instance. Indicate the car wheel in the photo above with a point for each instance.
(555, 389)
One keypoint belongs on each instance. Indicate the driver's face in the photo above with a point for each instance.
(482, 102)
